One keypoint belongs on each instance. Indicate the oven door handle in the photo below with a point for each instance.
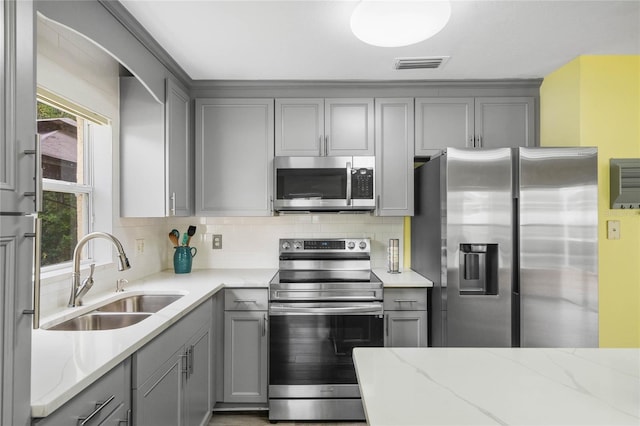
(292, 309)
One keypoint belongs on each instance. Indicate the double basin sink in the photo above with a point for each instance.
(122, 312)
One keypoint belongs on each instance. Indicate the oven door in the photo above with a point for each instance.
(311, 344)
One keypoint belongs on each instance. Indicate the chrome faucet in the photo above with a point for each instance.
(79, 290)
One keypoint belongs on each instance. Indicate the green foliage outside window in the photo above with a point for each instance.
(47, 111)
(59, 227)
(60, 211)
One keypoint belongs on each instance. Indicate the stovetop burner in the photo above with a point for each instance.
(325, 269)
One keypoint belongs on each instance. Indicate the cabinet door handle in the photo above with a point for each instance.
(405, 301)
(348, 183)
(38, 190)
(264, 325)
(190, 359)
(37, 236)
(472, 141)
(386, 325)
(173, 204)
(184, 364)
(326, 145)
(82, 421)
(479, 141)
(245, 301)
(320, 145)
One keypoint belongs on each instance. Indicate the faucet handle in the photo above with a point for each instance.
(120, 284)
(92, 268)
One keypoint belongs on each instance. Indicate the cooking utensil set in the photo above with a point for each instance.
(174, 236)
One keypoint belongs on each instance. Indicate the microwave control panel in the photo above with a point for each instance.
(362, 184)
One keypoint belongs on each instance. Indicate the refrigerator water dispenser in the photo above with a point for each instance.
(478, 269)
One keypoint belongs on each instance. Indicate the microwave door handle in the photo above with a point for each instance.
(348, 183)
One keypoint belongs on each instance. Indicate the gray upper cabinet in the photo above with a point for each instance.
(443, 122)
(299, 127)
(234, 151)
(179, 170)
(17, 107)
(155, 152)
(349, 126)
(142, 159)
(486, 122)
(322, 127)
(394, 159)
(505, 122)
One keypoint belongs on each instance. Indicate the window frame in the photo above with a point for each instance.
(89, 120)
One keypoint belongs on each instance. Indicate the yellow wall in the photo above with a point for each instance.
(595, 101)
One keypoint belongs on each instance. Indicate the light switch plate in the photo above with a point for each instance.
(613, 229)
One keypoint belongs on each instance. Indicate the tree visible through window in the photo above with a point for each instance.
(67, 187)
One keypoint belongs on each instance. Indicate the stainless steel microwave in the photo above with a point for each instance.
(325, 184)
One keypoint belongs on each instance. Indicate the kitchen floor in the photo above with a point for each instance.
(262, 418)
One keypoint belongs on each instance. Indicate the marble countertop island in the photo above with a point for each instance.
(510, 386)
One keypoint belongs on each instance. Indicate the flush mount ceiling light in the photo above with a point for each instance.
(393, 23)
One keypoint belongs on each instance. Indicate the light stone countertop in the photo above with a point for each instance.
(63, 363)
(407, 278)
(66, 362)
(506, 386)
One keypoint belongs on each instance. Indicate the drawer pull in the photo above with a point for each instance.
(405, 301)
(245, 301)
(99, 407)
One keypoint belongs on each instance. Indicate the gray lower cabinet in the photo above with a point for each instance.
(234, 155)
(172, 374)
(406, 319)
(245, 346)
(105, 402)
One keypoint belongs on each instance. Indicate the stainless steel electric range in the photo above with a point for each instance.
(323, 302)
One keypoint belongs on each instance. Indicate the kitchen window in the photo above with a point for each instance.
(68, 134)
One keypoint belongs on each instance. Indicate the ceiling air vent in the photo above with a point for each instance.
(625, 183)
(430, 62)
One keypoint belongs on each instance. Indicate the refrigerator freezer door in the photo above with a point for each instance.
(558, 247)
(479, 244)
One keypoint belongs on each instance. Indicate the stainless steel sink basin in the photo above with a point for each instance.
(140, 303)
(100, 321)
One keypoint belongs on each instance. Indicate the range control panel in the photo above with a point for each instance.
(334, 245)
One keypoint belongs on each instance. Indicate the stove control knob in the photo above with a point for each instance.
(297, 245)
(286, 245)
(351, 245)
(362, 245)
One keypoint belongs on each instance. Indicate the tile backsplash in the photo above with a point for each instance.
(253, 242)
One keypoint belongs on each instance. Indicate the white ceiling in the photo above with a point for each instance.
(311, 40)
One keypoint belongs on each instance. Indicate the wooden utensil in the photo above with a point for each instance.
(174, 236)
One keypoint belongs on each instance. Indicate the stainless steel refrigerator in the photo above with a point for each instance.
(510, 239)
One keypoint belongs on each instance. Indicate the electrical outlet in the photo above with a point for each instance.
(613, 229)
(139, 246)
(217, 241)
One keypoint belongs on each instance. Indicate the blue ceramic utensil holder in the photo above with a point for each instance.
(182, 259)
